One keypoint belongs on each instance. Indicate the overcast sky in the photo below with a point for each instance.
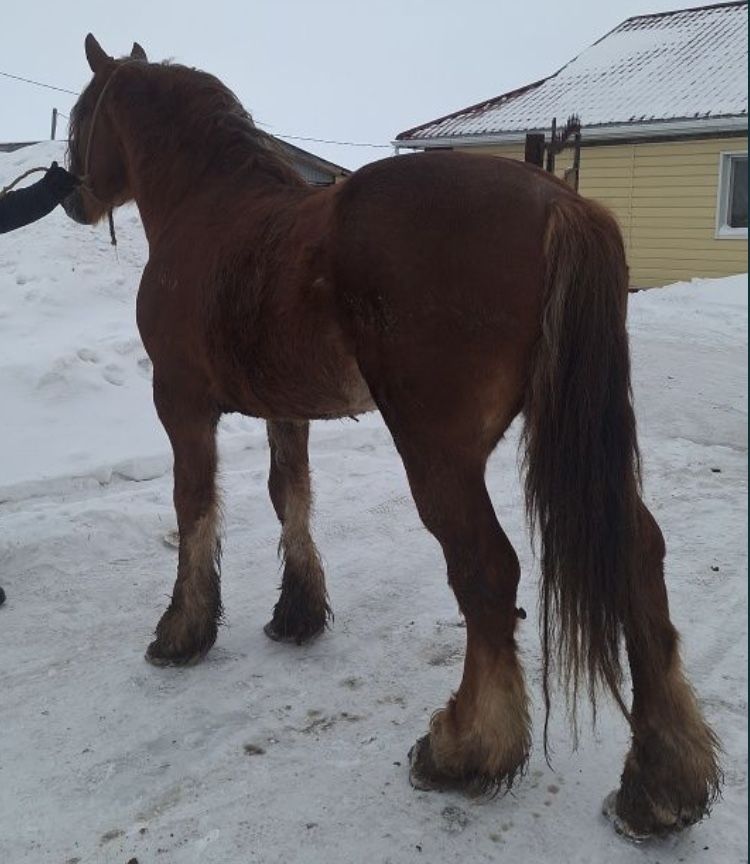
(331, 69)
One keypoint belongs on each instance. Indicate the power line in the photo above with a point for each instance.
(318, 140)
(328, 141)
(38, 83)
(278, 134)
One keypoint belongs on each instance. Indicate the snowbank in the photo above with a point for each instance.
(270, 753)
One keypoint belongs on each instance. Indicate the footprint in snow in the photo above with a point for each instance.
(454, 819)
(144, 367)
(114, 374)
(88, 356)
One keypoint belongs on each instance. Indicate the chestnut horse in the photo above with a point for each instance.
(451, 292)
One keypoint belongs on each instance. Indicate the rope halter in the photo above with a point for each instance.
(86, 177)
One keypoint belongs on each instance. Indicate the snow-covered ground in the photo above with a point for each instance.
(272, 753)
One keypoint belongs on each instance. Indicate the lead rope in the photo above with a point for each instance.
(4, 191)
(112, 235)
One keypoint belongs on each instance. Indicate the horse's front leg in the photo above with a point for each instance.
(187, 629)
(302, 609)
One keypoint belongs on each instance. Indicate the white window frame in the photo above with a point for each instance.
(723, 230)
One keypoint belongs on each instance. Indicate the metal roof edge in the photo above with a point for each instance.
(485, 103)
(313, 159)
(612, 132)
(687, 9)
(12, 146)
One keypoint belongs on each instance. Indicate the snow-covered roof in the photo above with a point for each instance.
(689, 65)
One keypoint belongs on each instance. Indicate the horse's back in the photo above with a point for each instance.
(438, 189)
(440, 229)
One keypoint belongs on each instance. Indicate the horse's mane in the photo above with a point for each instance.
(197, 114)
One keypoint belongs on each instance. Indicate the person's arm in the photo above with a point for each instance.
(25, 206)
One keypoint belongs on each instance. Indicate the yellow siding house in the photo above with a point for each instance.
(663, 106)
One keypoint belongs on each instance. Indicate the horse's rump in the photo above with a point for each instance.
(438, 259)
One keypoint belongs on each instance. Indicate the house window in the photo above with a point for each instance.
(731, 215)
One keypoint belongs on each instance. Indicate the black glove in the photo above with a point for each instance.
(59, 181)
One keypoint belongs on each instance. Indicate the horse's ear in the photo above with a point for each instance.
(138, 53)
(96, 55)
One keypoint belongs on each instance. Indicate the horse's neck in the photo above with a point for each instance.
(164, 176)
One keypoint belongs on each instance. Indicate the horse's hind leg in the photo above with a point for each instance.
(671, 773)
(188, 628)
(302, 610)
(481, 739)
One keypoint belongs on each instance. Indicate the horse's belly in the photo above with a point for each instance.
(301, 392)
(357, 396)
(341, 395)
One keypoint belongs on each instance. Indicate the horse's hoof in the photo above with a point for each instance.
(157, 656)
(274, 634)
(423, 773)
(609, 809)
(307, 635)
(426, 775)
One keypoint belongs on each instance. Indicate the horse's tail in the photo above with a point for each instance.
(581, 452)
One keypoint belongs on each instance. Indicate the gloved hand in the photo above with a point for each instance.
(59, 181)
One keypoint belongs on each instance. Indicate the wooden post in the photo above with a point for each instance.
(54, 124)
(572, 127)
(552, 147)
(534, 151)
(577, 158)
